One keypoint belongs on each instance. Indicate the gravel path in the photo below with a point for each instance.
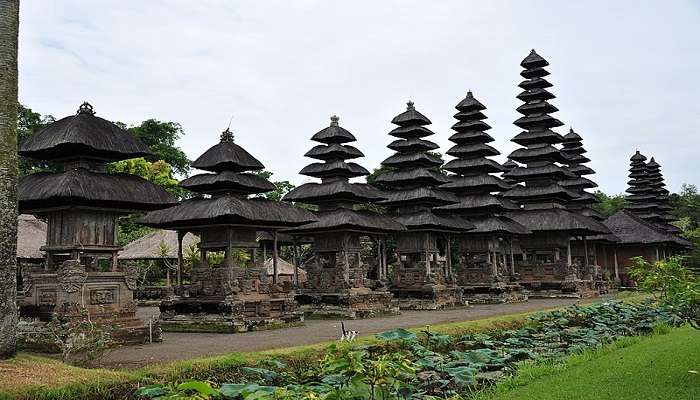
(178, 346)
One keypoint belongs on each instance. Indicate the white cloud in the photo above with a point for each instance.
(625, 73)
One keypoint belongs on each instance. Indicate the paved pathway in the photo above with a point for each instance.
(178, 346)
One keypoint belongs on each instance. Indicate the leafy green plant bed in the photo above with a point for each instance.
(425, 365)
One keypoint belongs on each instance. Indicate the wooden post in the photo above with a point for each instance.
(384, 264)
(657, 253)
(346, 269)
(229, 248)
(585, 251)
(275, 272)
(512, 257)
(264, 253)
(296, 261)
(427, 255)
(449, 256)
(180, 258)
(617, 271)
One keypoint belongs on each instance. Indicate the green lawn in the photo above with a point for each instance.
(658, 367)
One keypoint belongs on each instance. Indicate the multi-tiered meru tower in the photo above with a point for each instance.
(422, 275)
(82, 204)
(230, 290)
(545, 265)
(484, 268)
(349, 246)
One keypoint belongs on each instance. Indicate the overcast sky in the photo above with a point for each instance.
(626, 73)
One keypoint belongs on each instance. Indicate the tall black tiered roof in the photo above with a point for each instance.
(574, 152)
(83, 144)
(641, 198)
(336, 195)
(229, 187)
(656, 182)
(412, 174)
(471, 182)
(541, 173)
(540, 192)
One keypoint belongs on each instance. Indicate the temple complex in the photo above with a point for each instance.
(230, 290)
(484, 268)
(82, 204)
(546, 266)
(349, 246)
(422, 276)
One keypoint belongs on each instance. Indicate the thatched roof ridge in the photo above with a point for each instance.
(344, 219)
(531, 173)
(426, 220)
(227, 181)
(334, 151)
(81, 187)
(525, 138)
(31, 236)
(333, 134)
(469, 103)
(410, 117)
(412, 144)
(334, 191)
(227, 156)
(535, 193)
(83, 135)
(631, 229)
(497, 225)
(471, 137)
(557, 219)
(472, 150)
(412, 159)
(475, 183)
(462, 166)
(228, 210)
(336, 168)
(423, 194)
(407, 176)
(545, 152)
(156, 245)
(411, 132)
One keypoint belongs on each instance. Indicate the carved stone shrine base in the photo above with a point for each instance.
(429, 297)
(347, 304)
(69, 293)
(494, 293)
(230, 314)
(554, 280)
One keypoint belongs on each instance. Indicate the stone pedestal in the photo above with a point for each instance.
(72, 290)
(557, 279)
(229, 300)
(417, 289)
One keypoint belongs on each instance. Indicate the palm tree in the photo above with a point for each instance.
(9, 31)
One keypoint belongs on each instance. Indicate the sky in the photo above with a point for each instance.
(626, 73)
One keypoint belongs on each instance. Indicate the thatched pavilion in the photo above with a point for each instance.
(82, 204)
(233, 293)
(423, 275)
(484, 268)
(339, 274)
(545, 266)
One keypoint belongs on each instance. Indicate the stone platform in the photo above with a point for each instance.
(351, 304)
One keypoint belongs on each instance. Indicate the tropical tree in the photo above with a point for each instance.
(609, 204)
(160, 137)
(9, 31)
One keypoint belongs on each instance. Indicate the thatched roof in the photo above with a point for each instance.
(333, 134)
(333, 151)
(460, 166)
(283, 239)
(81, 187)
(411, 132)
(227, 156)
(479, 203)
(335, 168)
(631, 229)
(472, 150)
(471, 137)
(156, 245)
(525, 138)
(412, 159)
(31, 235)
(557, 219)
(283, 268)
(83, 136)
(408, 176)
(410, 117)
(334, 191)
(474, 184)
(533, 60)
(413, 144)
(228, 210)
(227, 181)
(537, 193)
(344, 219)
(428, 221)
(423, 195)
(545, 152)
(497, 225)
(554, 171)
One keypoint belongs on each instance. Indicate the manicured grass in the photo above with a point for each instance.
(665, 366)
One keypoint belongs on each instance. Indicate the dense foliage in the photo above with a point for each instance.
(427, 365)
(608, 205)
(675, 285)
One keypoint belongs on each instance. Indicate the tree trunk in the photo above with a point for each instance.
(9, 27)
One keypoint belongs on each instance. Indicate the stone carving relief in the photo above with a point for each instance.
(71, 276)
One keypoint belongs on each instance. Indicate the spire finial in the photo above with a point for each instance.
(334, 120)
(409, 105)
(227, 135)
(469, 93)
(85, 108)
(571, 129)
